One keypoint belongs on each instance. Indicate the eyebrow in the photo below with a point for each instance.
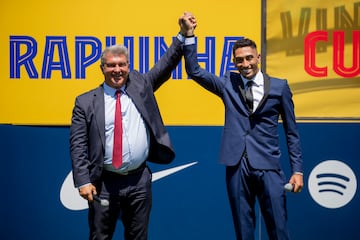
(113, 64)
(241, 59)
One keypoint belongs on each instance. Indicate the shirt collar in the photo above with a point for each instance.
(111, 91)
(258, 79)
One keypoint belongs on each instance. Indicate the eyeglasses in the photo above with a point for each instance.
(113, 65)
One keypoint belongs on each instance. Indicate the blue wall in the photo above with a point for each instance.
(190, 204)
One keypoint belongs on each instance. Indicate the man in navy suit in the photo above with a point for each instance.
(250, 143)
(144, 138)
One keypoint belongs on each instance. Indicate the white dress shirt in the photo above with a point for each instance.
(136, 139)
(257, 88)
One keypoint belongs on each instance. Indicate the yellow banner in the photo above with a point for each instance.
(50, 53)
(316, 46)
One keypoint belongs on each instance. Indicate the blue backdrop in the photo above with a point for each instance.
(189, 204)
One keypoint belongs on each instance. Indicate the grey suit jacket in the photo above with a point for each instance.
(87, 130)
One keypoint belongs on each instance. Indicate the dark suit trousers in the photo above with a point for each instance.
(130, 198)
(244, 185)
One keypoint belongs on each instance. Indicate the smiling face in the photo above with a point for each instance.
(115, 69)
(247, 60)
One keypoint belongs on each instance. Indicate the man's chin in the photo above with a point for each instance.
(247, 75)
(117, 83)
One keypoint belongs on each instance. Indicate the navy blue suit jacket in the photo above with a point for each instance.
(257, 131)
(87, 130)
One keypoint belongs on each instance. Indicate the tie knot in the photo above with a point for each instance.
(118, 93)
(249, 83)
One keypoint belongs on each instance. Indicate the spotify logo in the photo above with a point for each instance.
(332, 184)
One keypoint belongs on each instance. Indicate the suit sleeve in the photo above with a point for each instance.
(209, 81)
(161, 71)
(291, 130)
(79, 146)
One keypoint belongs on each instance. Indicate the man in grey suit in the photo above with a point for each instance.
(127, 186)
(250, 143)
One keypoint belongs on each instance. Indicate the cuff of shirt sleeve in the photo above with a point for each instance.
(299, 173)
(83, 185)
(189, 40)
(181, 37)
(186, 40)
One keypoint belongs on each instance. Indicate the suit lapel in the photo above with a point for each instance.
(241, 87)
(266, 90)
(99, 110)
(138, 95)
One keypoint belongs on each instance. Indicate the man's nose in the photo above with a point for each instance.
(117, 68)
(246, 63)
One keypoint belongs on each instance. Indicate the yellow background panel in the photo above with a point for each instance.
(330, 96)
(50, 101)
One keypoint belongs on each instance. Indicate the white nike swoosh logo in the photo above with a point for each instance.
(70, 198)
(158, 175)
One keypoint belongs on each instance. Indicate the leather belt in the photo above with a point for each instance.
(136, 170)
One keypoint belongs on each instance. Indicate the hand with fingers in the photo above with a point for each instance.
(187, 23)
(87, 192)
